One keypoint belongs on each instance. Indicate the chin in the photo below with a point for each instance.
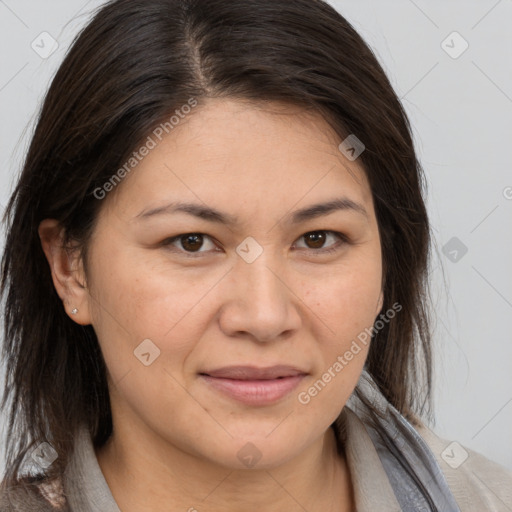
(256, 451)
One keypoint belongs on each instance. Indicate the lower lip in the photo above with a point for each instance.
(255, 392)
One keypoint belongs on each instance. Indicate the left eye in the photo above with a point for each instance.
(319, 238)
(192, 242)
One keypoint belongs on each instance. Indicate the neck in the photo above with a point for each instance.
(145, 473)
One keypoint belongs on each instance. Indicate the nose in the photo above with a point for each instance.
(263, 304)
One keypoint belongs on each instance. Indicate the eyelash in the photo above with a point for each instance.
(343, 238)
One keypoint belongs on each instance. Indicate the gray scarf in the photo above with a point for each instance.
(413, 472)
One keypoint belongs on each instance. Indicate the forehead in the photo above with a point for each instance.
(245, 157)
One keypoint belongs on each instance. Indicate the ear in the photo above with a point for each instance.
(67, 271)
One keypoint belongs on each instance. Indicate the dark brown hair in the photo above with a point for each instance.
(128, 70)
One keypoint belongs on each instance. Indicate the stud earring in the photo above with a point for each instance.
(74, 311)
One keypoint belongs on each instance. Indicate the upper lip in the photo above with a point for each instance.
(254, 373)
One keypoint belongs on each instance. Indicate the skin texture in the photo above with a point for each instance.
(176, 440)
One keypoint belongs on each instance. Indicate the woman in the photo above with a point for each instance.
(215, 276)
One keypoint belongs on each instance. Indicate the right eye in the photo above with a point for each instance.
(190, 243)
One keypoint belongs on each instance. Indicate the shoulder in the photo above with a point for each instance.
(476, 482)
(33, 493)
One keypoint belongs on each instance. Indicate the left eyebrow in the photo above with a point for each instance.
(318, 210)
(216, 216)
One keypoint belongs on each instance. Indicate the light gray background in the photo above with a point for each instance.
(461, 112)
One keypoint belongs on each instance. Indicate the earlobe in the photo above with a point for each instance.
(67, 271)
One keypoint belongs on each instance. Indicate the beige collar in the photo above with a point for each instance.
(88, 490)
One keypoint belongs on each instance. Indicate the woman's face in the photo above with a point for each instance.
(250, 290)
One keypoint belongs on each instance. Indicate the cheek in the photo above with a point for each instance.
(346, 305)
(346, 299)
(346, 302)
(134, 301)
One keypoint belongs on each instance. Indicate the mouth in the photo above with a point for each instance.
(252, 385)
(255, 373)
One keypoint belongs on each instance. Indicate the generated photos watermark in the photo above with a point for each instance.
(151, 143)
(342, 361)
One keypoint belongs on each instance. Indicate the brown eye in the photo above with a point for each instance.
(316, 239)
(191, 242)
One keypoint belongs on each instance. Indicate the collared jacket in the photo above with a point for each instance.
(394, 467)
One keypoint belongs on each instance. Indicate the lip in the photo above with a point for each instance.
(252, 385)
(244, 372)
